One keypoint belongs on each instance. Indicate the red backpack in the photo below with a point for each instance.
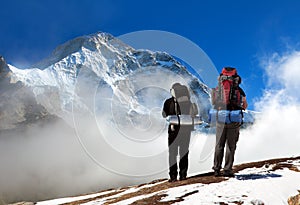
(227, 94)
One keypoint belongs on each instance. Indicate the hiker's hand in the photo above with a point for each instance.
(172, 128)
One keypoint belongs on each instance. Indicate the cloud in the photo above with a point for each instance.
(283, 72)
(276, 132)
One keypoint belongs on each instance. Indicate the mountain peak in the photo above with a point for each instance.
(100, 57)
(90, 42)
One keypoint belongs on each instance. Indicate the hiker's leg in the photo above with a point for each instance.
(233, 133)
(173, 152)
(184, 153)
(219, 147)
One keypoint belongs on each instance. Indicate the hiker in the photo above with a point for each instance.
(228, 100)
(179, 135)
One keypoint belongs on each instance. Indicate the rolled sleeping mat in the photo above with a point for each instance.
(225, 116)
(184, 120)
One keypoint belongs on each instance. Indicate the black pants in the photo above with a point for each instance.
(179, 140)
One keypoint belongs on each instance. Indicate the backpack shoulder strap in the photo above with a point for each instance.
(242, 91)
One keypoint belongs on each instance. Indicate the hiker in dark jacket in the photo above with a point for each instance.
(179, 135)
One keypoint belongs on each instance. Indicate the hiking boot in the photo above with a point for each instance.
(228, 174)
(172, 180)
(217, 173)
(182, 178)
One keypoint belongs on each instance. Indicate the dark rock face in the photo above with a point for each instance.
(18, 105)
(4, 69)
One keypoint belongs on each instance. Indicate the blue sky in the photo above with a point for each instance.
(236, 33)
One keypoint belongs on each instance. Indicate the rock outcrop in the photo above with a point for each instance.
(294, 200)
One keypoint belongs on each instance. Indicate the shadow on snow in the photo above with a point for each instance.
(256, 176)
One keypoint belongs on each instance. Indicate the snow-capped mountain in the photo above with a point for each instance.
(100, 61)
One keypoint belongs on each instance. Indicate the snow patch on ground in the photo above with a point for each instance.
(249, 186)
(72, 199)
(265, 185)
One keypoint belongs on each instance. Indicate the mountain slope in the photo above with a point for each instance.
(91, 110)
(264, 182)
(18, 106)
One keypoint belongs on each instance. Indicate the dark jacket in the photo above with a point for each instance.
(169, 109)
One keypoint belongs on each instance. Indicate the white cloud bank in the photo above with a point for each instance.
(277, 131)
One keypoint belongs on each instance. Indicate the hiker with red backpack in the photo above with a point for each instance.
(179, 134)
(229, 101)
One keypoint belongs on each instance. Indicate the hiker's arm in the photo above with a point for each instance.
(245, 103)
(164, 114)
